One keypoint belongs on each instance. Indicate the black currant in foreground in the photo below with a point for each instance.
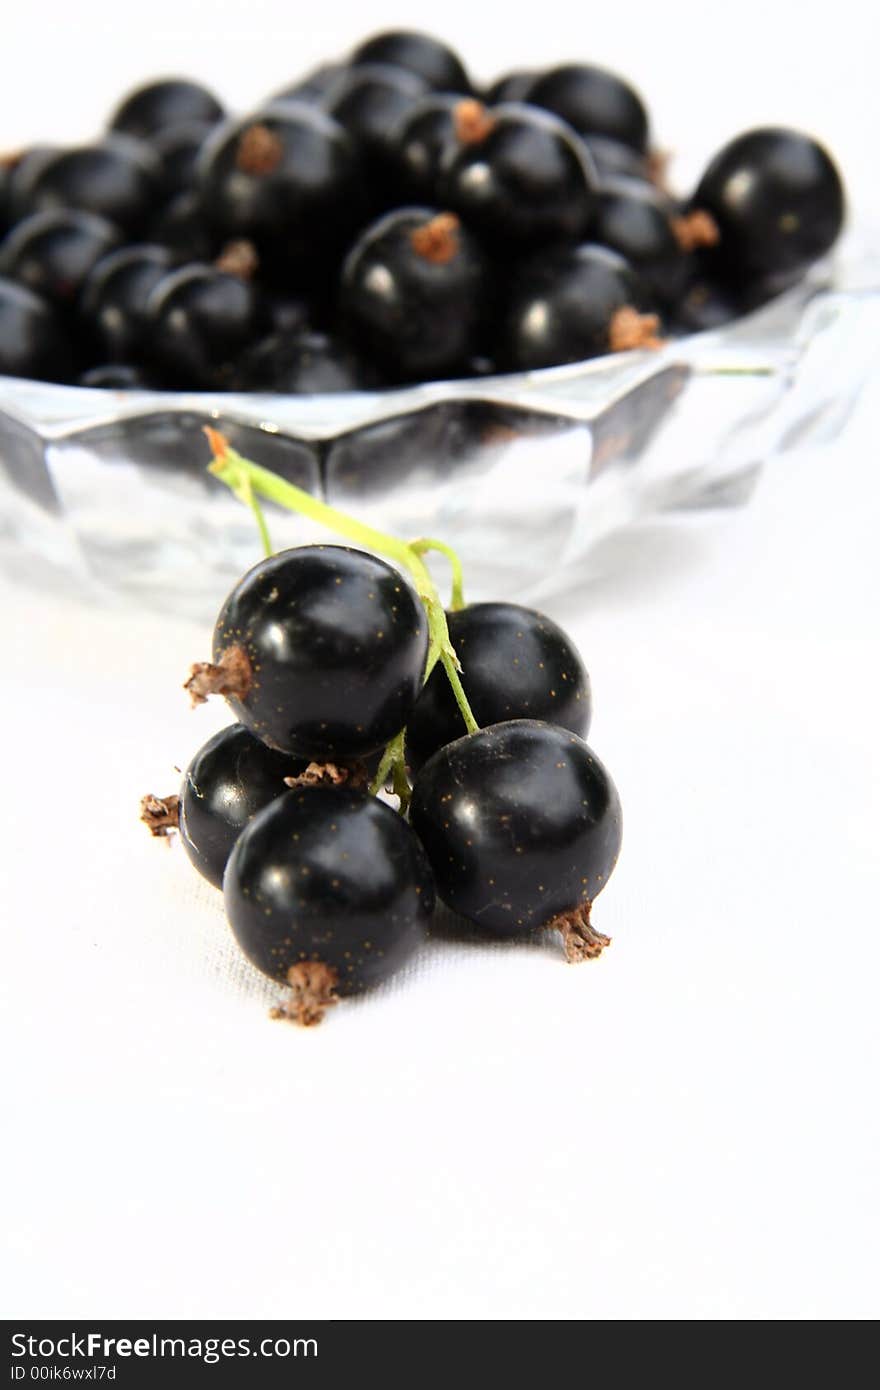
(329, 891)
(594, 102)
(32, 340)
(419, 53)
(198, 321)
(53, 252)
(519, 176)
(576, 304)
(414, 293)
(777, 199)
(522, 826)
(228, 781)
(320, 651)
(516, 664)
(169, 102)
(114, 298)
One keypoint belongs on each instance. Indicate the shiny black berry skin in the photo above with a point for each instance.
(178, 148)
(21, 170)
(521, 823)
(524, 181)
(421, 54)
(114, 298)
(228, 781)
(512, 86)
(54, 252)
(331, 875)
(778, 200)
(312, 88)
(335, 642)
(303, 363)
(414, 293)
(287, 179)
(32, 338)
(633, 219)
(116, 376)
(561, 307)
(614, 160)
(180, 225)
(594, 102)
(112, 179)
(369, 100)
(198, 322)
(421, 144)
(159, 105)
(516, 664)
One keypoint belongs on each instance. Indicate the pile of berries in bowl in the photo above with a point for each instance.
(384, 222)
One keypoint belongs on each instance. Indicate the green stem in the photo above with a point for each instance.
(245, 493)
(249, 481)
(426, 543)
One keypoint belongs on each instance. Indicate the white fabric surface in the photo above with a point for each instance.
(686, 1128)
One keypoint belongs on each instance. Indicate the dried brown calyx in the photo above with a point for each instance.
(239, 258)
(629, 329)
(259, 150)
(231, 675)
(160, 813)
(579, 937)
(437, 241)
(472, 121)
(312, 992)
(695, 230)
(330, 775)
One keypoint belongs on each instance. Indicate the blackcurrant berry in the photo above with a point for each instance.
(32, 339)
(615, 160)
(198, 322)
(777, 199)
(111, 179)
(419, 53)
(320, 651)
(594, 102)
(21, 170)
(313, 87)
(329, 891)
(519, 176)
(287, 179)
(634, 219)
(414, 292)
(169, 102)
(521, 824)
(516, 664)
(422, 141)
(54, 252)
(114, 298)
(228, 781)
(512, 86)
(576, 304)
(180, 225)
(369, 101)
(178, 148)
(304, 363)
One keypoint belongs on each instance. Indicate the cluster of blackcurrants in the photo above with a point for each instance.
(321, 652)
(381, 222)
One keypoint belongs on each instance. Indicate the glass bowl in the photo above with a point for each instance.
(107, 493)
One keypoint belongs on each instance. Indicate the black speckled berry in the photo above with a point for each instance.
(594, 102)
(520, 177)
(326, 646)
(228, 781)
(167, 102)
(333, 877)
(777, 199)
(54, 252)
(414, 293)
(521, 824)
(516, 664)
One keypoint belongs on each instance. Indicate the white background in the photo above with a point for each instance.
(687, 1128)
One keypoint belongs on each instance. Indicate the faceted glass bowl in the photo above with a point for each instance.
(107, 493)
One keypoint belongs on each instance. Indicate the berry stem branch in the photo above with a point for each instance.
(426, 543)
(248, 481)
